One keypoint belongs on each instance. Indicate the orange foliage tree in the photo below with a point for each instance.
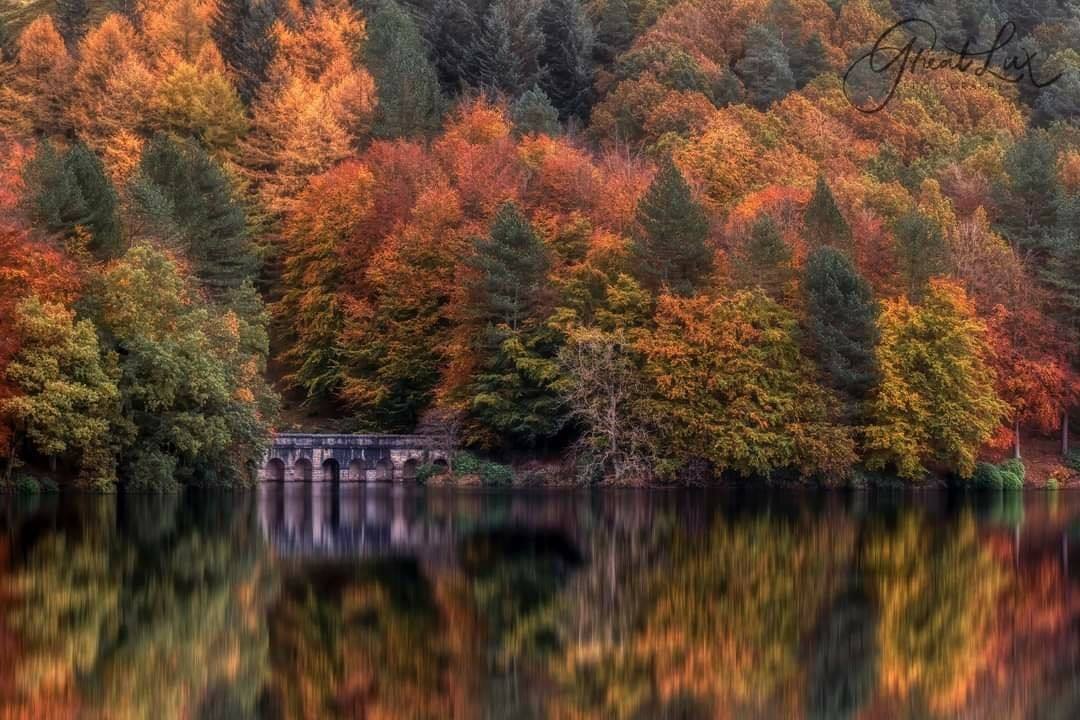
(26, 268)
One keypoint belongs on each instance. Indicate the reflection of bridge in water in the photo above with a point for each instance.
(318, 519)
(342, 520)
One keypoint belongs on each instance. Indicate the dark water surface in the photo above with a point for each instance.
(395, 602)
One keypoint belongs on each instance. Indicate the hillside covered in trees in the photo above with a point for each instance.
(657, 237)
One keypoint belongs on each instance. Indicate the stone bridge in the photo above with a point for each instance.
(313, 457)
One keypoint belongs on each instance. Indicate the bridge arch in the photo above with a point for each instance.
(408, 470)
(331, 470)
(275, 470)
(357, 471)
(384, 470)
(302, 470)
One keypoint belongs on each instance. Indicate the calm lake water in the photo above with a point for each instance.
(395, 602)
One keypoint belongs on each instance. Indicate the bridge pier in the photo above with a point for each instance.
(314, 457)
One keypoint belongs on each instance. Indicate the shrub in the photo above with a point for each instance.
(1053, 484)
(1010, 480)
(429, 470)
(49, 485)
(1072, 460)
(1014, 467)
(987, 477)
(1009, 475)
(493, 473)
(152, 471)
(466, 464)
(26, 485)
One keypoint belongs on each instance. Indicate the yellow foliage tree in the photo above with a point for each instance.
(936, 400)
(732, 388)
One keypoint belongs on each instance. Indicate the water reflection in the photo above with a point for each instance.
(309, 602)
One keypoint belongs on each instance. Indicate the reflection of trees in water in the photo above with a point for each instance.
(148, 617)
(843, 665)
(373, 641)
(730, 616)
(937, 591)
(627, 609)
(598, 614)
(763, 616)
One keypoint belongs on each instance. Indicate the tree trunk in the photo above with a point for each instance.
(1016, 439)
(1064, 433)
(10, 458)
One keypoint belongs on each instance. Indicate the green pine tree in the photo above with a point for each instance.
(823, 223)
(670, 247)
(512, 392)
(1062, 272)
(841, 316)
(534, 113)
(808, 60)
(920, 249)
(567, 56)
(71, 190)
(511, 265)
(1061, 99)
(242, 32)
(507, 51)
(185, 198)
(765, 69)
(1030, 195)
(765, 261)
(450, 29)
(410, 102)
(614, 31)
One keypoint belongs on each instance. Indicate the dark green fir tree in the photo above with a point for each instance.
(71, 190)
(670, 246)
(72, 18)
(182, 196)
(242, 31)
(765, 260)
(920, 250)
(534, 113)
(765, 69)
(823, 223)
(841, 320)
(410, 101)
(567, 57)
(614, 31)
(507, 51)
(512, 393)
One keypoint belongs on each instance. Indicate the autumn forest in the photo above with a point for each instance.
(646, 240)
